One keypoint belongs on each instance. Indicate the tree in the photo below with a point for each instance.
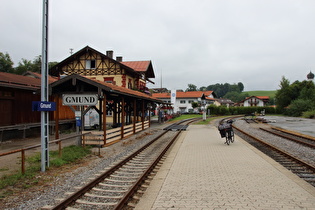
(191, 87)
(194, 105)
(27, 65)
(6, 64)
(307, 91)
(240, 86)
(283, 95)
(24, 66)
(222, 89)
(202, 88)
(236, 96)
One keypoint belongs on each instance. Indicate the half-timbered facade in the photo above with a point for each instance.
(93, 64)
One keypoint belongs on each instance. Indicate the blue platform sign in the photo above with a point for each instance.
(43, 106)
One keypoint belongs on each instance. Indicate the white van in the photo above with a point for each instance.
(91, 119)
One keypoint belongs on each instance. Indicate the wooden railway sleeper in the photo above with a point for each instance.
(102, 196)
(79, 201)
(125, 176)
(107, 190)
(118, 180)
(114, 186)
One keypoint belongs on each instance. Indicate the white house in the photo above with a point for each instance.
(184, 100)
(255, 101)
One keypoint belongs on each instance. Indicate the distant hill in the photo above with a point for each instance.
(270, 93)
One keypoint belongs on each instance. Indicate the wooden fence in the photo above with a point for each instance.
(112, 135)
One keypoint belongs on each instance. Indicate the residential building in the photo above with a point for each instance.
(255, 101)
(184, 100)
(223, 102)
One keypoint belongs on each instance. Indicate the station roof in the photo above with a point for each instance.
(68, 84)
(19, 81)
(39, 76)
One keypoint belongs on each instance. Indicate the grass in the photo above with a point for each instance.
(32, 175)
(270, 93)
(186, 116)
(201, 122)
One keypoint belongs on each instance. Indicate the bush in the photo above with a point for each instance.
(297, 107)
(309, 114)
(222, 110)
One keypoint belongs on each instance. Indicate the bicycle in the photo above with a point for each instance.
(226, 130)
(229, 136)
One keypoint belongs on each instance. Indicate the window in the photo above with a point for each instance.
(129, 83)
(190, 101)
(90, 64)
(182, 101)
(109, 80)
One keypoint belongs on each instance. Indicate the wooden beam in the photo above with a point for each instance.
(57, 117)
(142, 117)
(104, 118)
(122, 116)
(134, 115)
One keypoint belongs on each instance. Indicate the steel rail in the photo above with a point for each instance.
(76, 195)
(124, 201)
(290, 138)
(311, 167)
(311, 138)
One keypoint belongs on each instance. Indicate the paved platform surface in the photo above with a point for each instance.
(201, 172)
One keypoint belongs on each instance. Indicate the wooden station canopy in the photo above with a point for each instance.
(127, 106)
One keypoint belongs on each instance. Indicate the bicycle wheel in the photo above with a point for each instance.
(227, 138)
(232, 136)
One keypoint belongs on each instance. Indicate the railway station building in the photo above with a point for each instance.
(123, 100)
(122, 97)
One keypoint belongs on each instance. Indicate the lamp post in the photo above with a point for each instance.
(203, 102)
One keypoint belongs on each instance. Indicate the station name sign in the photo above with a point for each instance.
(43, 106)
(79, 99)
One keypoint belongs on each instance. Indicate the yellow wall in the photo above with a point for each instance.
(105, 68)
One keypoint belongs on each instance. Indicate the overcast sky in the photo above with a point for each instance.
(200, 42)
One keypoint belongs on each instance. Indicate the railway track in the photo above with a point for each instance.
(295, 164)
(303, 140)
(116, 186)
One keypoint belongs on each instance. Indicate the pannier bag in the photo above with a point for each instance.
(223, 127)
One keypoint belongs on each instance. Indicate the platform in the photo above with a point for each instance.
(201, 172)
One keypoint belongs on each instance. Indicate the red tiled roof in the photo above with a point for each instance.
(189, 94)
(19, 81)
(125, 90)
(38, 75)
(141, 66)
(263, 97)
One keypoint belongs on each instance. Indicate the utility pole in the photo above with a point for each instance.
(44, 91)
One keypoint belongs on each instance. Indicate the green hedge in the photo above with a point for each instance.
(223, 110)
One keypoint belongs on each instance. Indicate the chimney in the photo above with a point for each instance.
(119, 58)
(109, 53)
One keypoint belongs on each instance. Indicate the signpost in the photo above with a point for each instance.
(79, 99)
(43, 106)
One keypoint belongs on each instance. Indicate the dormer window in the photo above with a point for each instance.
(90, 64)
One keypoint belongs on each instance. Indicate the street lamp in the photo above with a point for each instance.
(203, 102)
